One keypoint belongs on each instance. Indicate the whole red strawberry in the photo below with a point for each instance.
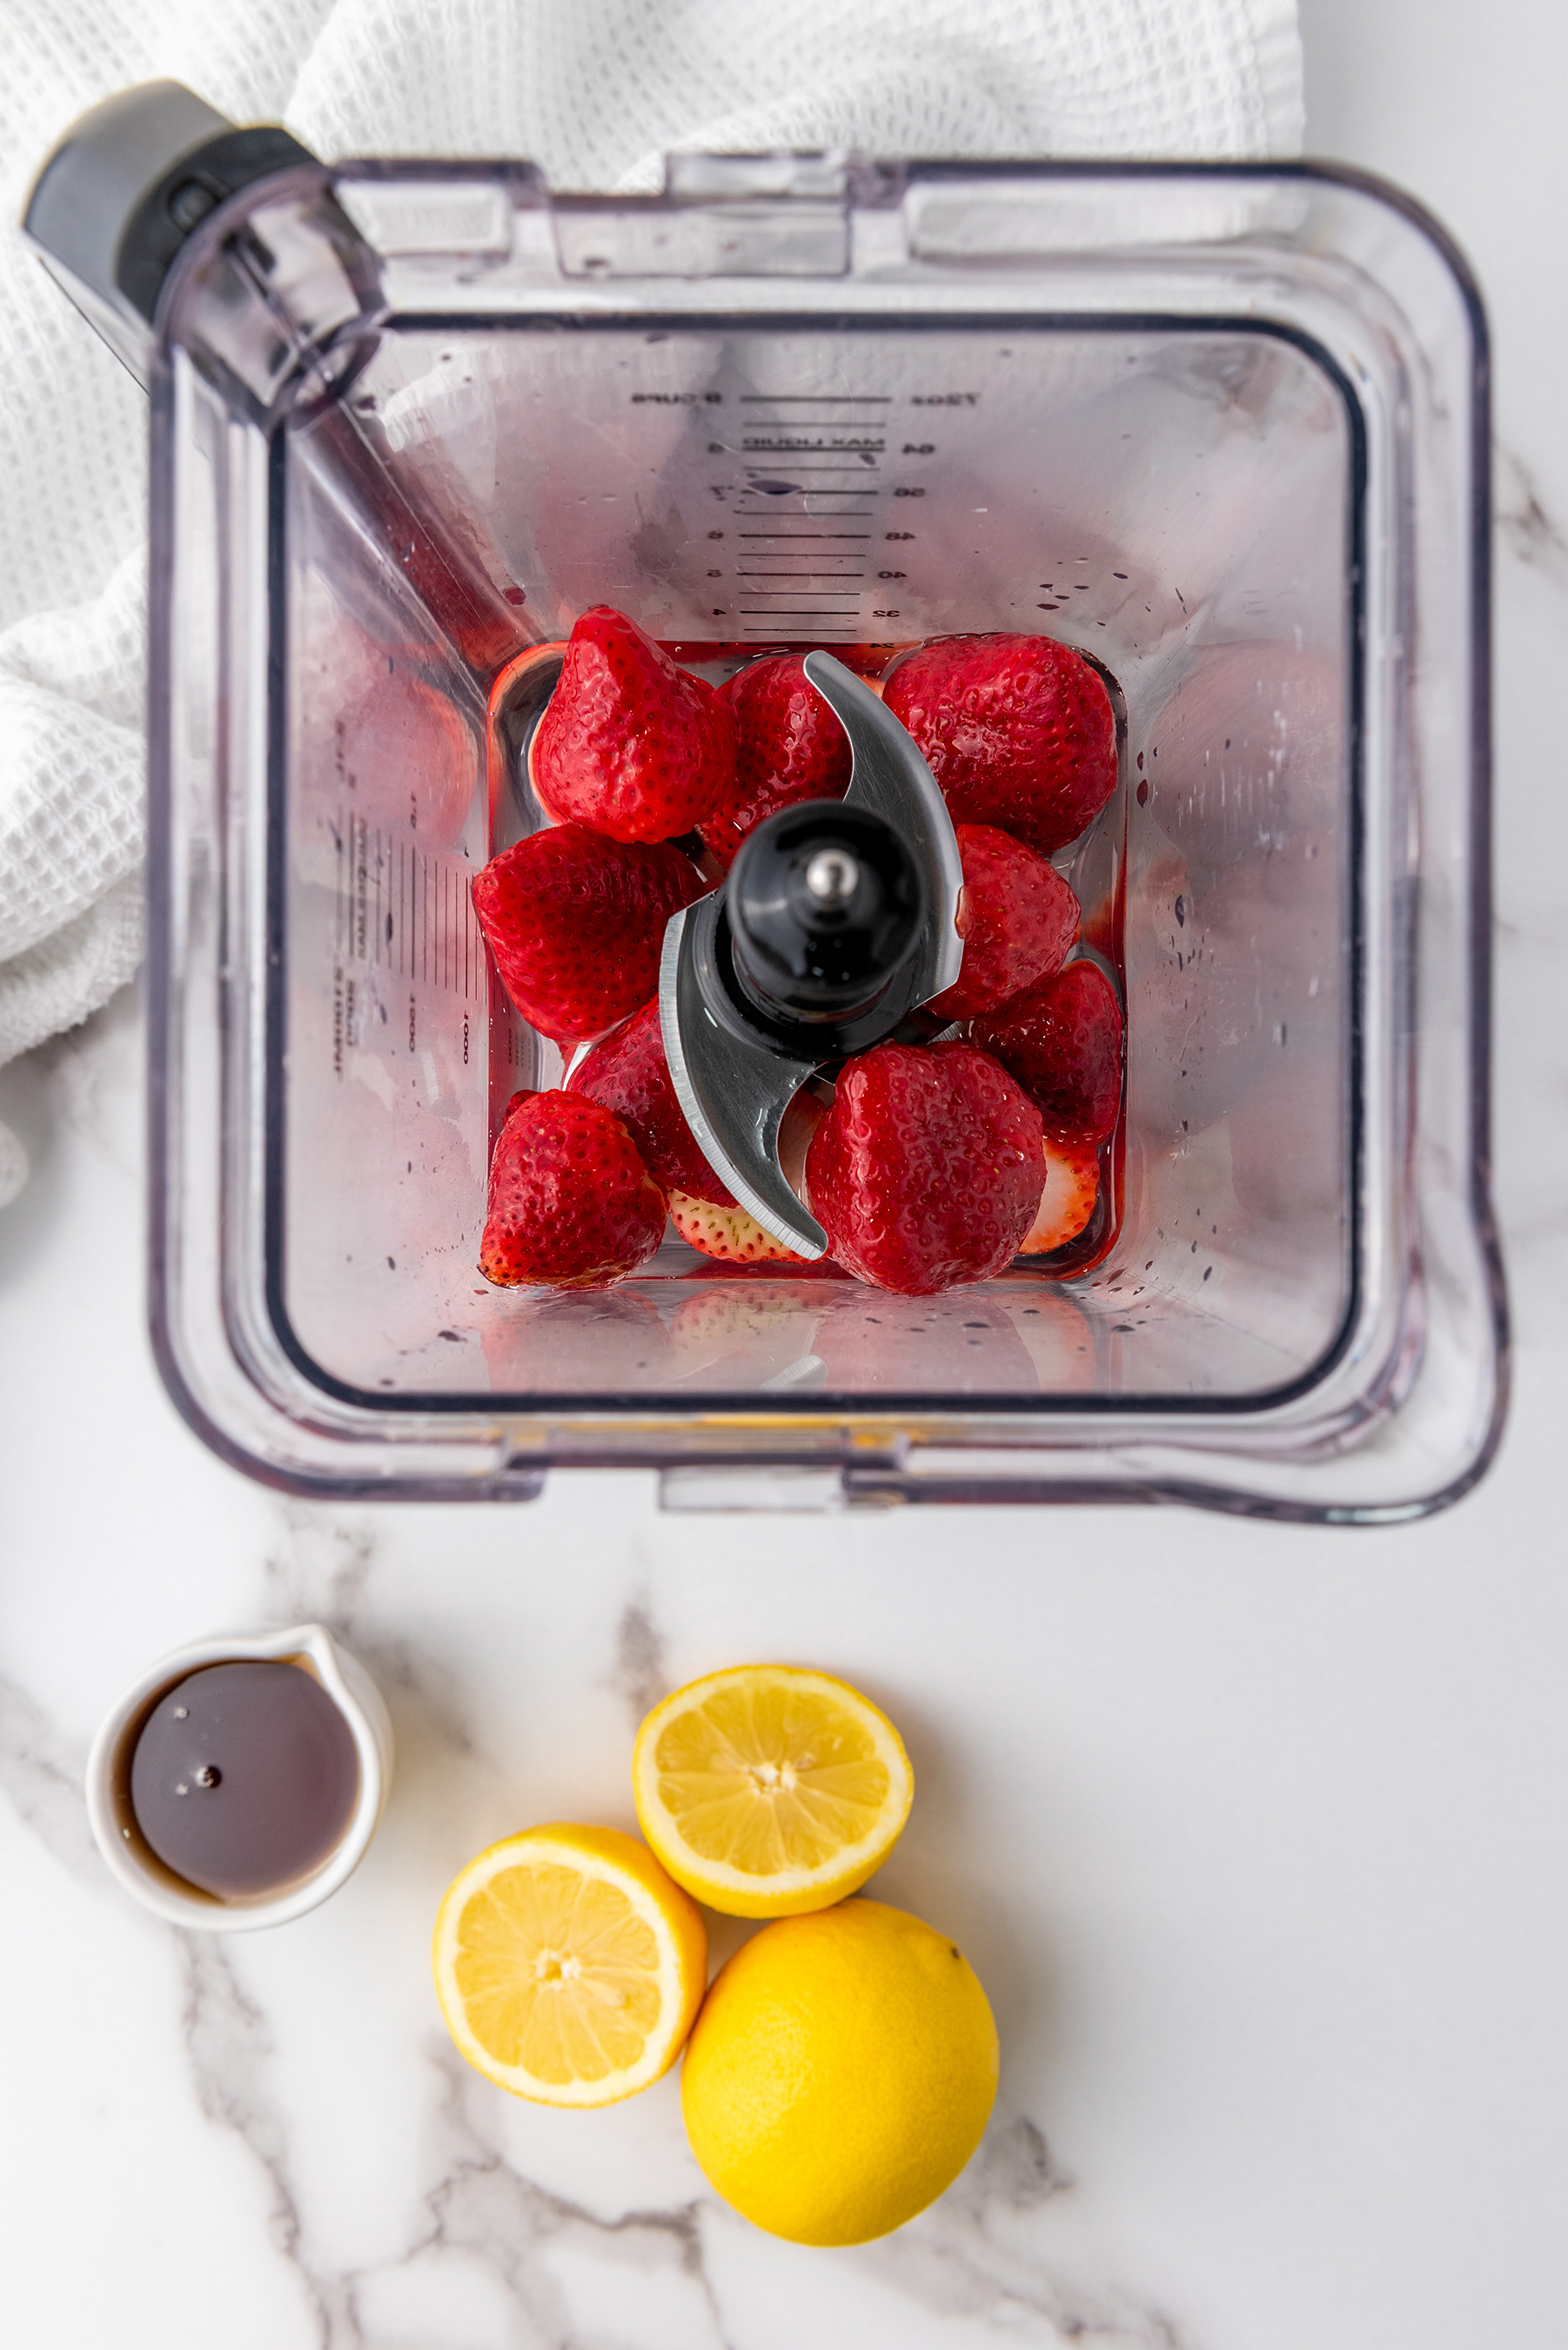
(789, 746)
(571, 1204)
(927, 1170)
(1020, 918)
(630, 1075)
(1019, 732)
(630, 743)
(575, 923)
(1063, 1042)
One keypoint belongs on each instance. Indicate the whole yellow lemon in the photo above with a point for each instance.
(840, 2072)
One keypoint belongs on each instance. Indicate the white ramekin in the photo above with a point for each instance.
(127, 1851)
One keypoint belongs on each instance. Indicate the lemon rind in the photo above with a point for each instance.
(834, 1879)
(661, 2047)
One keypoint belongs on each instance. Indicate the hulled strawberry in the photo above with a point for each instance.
(1019, 732)
(630, 1075)
(926, 1169)
(1018, 919)
(630, 743)
(728, 1233)
(789, 746)
(575, 923)
(571, 1203)
(1063, 1042)
(1067, 1201)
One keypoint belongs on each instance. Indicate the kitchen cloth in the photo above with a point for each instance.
(594, 91)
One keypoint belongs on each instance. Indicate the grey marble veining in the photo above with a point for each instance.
(41, 1779)
(1161, 1772)
(1254, 1833)
(997, 2250)
(1000, 2257)
(641, 1675)
(1527, 529)
(229, 2044)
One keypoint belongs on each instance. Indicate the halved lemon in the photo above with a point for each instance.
(568, 1966)
(767, 1790)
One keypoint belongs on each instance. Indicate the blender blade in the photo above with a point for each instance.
(735, 1074)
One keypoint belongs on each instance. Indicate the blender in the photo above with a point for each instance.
(1221, 428)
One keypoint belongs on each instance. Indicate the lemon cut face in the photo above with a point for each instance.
(768, 1791)
(568, 1966)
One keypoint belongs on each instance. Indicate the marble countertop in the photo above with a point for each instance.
(1255, 1835)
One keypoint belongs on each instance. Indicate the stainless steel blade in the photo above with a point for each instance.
(893, 781)
(735, 1092)
(736, 1086)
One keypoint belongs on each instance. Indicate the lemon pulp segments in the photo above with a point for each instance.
(568, 1966)
(558, 1974)
(770, 1778)
(766, 1789)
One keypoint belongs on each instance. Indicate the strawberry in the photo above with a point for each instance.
(789, 746)
(1019, 732)
(1067, 1201)
(729, 1233)
(571, 1203)
(630, 1075)
(926, 1171)
(576, 925)
(1063, 1042)
(628, 743)
(1018, 919)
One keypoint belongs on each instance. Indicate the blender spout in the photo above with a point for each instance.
(131, 179)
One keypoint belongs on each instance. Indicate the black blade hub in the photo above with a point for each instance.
(824, 909)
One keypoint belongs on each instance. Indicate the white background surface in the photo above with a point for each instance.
(1256, 1835)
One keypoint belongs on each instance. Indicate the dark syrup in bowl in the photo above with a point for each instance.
(244, 1778)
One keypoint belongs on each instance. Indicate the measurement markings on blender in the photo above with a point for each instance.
(805, 457)
(813, 457)
(804, 562)
(404, 910)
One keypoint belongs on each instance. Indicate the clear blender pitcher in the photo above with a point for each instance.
(1222, 428)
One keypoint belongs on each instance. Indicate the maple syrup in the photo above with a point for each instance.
(245, 1777)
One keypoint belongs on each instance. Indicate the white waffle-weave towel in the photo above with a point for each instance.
(593, 90)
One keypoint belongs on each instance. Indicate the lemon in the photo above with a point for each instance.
(767, 1790)
(840, 2073)
(568, 1966)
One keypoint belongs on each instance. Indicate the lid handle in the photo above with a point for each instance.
(123, 189)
